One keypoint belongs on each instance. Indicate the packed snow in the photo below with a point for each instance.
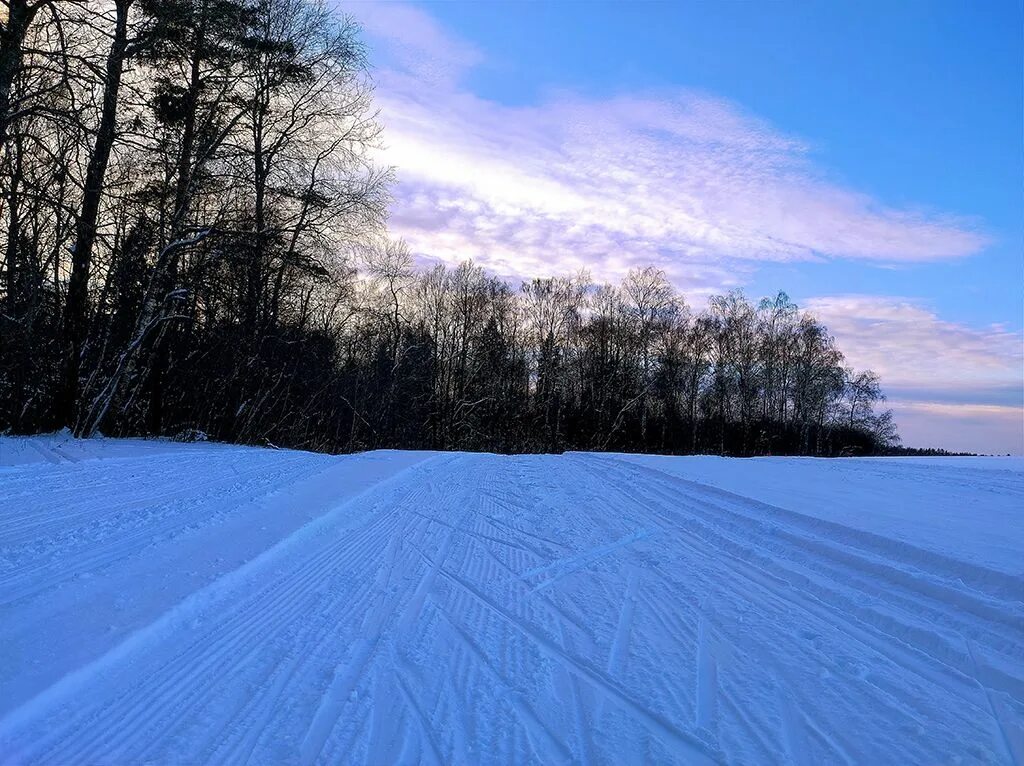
(203, 603)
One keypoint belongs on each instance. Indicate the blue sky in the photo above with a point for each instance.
(865, 157)
(915, 103)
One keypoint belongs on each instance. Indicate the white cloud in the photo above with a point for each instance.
(685, 181)
(912, 348)
(984, 429)
(675, 177)
(416, 42)
(950, 385)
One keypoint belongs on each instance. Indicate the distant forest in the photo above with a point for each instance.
(193, 245)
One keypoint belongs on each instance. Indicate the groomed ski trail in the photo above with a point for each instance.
(456, 608)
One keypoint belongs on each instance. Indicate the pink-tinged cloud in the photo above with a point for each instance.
(684, 181)
(676, 178)
(981, 429)
(950, 385)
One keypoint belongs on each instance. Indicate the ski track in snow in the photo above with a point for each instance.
(188, 604)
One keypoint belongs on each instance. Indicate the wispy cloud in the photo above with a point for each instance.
(913, 349)
(416, 43)
(984, 429)
(685, 181)
(676, 177)
(949, 384)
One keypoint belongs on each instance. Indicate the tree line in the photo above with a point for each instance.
(192, 246)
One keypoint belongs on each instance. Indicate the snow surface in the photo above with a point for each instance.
(203, 603)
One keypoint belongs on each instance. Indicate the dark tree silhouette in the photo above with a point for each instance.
(193, 246)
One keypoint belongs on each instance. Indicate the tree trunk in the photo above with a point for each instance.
(12, 40)
(76, 305)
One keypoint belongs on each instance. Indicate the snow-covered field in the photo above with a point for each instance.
(167, 603)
